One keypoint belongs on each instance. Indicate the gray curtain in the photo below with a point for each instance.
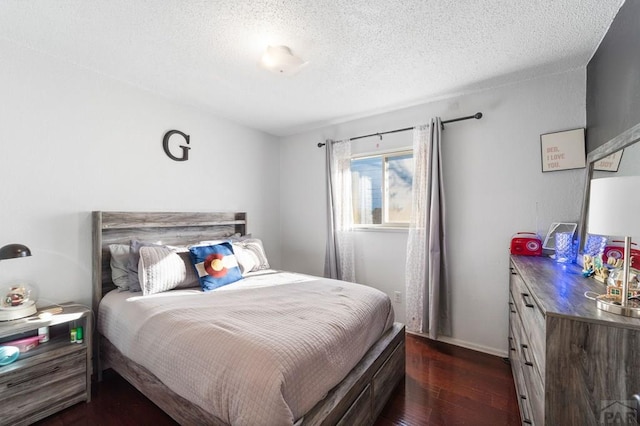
(339, 257)
(427, 285)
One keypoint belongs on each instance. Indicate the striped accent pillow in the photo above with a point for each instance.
(163, 268)
(251, 254)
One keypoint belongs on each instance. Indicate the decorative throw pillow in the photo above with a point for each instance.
(119, 261)
(215, 265)
(163, 268)
(253, 247)
(134, 259)
(246, 260)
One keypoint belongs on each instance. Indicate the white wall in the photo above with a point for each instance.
(73, 141)
(494, 186)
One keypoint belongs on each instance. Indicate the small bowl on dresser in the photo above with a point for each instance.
(8, 354)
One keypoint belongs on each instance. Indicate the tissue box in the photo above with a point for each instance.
(26, 344)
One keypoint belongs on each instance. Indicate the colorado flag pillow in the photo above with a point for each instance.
(216, 265)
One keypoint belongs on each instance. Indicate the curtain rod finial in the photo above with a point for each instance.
(321, 144)
(478, 115)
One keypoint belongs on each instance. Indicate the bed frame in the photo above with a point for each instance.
(357, 400)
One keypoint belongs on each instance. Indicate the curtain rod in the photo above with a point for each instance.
(477, 116)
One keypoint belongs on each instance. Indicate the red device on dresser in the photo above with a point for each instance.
(526, 244)
(615, 249)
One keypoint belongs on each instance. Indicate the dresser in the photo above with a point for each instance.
(572, 363)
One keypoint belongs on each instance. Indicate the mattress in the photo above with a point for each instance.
(263, 350)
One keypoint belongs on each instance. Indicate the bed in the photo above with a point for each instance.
(354, 396)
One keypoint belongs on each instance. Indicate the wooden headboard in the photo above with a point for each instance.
(167, 228)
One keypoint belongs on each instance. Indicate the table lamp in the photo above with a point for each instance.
(11, 251)
(16, 303)
(614, 205)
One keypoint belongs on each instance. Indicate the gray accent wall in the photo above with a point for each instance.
(613, 79)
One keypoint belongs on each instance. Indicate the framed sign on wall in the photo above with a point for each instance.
(610, 163)
(563, 150)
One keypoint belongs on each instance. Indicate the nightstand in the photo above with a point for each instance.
(52, 376)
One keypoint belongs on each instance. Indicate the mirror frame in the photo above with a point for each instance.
(621, 141)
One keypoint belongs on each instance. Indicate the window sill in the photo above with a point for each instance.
(381, 229)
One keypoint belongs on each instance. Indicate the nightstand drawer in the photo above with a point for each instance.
(40, 371)
(35, 387)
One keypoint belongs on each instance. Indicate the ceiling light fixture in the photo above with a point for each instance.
(280, 60)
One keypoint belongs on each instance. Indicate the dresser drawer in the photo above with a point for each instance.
(515, 330)
(42, 385)
(522, 395)
(513, 307)
(533, 323)
(525, 410)
(535, 391)
(518, 367)
(513, 348)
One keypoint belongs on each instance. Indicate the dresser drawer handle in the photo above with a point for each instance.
(525, 415)
(525, 352)
(32, 377)
(527, 303)
(511, 347)
(512, 308)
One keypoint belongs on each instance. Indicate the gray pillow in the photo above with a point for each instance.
(119, 261)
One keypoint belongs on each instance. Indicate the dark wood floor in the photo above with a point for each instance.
(444, 385)
(450, 385)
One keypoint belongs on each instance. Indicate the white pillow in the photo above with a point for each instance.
(246, 260)
(163, 268)
(251, 248)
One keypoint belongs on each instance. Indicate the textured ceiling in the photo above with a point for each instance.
(365, 56)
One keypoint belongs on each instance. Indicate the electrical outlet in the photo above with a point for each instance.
(397, 297)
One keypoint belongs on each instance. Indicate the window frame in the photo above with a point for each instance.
(384, 155)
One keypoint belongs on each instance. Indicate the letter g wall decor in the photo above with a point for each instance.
(185, 149)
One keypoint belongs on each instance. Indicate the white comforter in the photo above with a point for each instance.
(253, 353)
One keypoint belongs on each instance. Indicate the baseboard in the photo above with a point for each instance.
(468, 345)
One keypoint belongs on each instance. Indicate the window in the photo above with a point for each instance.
(381, 187)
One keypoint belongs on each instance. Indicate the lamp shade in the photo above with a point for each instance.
(11, 251)
(614, 206)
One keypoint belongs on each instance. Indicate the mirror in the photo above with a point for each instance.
(624, 145)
